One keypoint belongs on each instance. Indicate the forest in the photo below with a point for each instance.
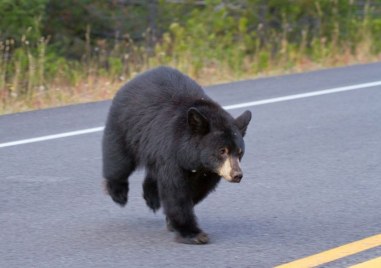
(55, 52)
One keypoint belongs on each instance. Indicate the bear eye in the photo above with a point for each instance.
(240, 153)
(223, 151)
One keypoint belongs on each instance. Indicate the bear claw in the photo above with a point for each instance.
(152, 202)
(199, 239)
(169, 225)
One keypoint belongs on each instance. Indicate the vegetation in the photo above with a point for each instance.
(56, 52)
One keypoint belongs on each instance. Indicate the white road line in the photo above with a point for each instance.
(52, 137)
(228, 107)
(303, 95)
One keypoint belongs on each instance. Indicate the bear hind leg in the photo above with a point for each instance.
(118, 164)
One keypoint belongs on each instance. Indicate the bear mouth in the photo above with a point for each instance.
(236, 179)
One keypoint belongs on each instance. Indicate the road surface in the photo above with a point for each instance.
(312, 182)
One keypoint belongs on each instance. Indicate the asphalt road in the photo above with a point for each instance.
(312, 181)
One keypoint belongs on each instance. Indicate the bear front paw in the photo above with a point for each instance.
(152, 201)
(198, 239)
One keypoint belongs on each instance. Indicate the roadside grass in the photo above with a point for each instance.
(34, 77)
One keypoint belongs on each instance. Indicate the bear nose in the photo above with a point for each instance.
(237, 176)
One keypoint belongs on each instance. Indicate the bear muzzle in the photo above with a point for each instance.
(237, 176)
(230, 170)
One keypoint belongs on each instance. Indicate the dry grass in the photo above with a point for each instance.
(95, 88)
(26, 84)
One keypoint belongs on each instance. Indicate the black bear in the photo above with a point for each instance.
(163, 120)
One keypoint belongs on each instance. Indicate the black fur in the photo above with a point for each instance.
(164, 121)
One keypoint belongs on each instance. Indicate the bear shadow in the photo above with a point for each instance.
(135, 231)
(242, 230)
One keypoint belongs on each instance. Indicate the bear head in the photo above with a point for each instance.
(221, 145)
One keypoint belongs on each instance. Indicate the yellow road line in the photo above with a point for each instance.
(374, 263)
(335, 253)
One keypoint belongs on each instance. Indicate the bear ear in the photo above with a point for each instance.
(243, 121)
(197, 121)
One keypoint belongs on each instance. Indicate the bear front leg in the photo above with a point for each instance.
(151, 193)
(176, 198)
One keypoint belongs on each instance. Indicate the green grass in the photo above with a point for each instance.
(33, 76)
